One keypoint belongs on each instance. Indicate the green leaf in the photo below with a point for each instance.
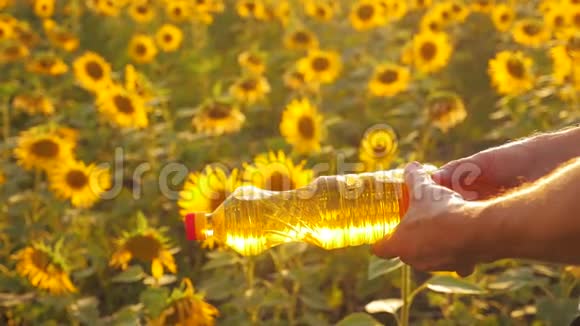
(221, 259)
(558, 311)
(154, 300)
(378, 266)
(450, 284)
(358, 319)
(132, 274)
(386, 305)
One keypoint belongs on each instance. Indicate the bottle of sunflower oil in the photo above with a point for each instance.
(331, 212)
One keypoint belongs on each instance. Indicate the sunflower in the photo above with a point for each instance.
(320, 10)
(511, 72)
(185, 307)
(142, 48)
(389, 79)
(420, 4)
(147, 245)
(37, 149)
(33, 104)
(300, 39)
(44, 8)
(320, 66)
(282, 11)
(92, 71)
(445, 110)
(169, 37)
(562, 64)
(557, 19)
(217, 118)
(49, 65)
(141, 11)
(484, 6)
(431, 22)
(276, 172)
(366, 14)
(6, 30)
(60, 36)
(11, 51)
(250, 89)
(502, 16)
(393, 10)
(294, 80)
(25, 35)
(530, 32)
(203, 192)
(123, 108)
(431, 51)
(301, 126)
(251, 8)
(109, 8)
(45, 268)
(252, 62)
(459, 11)
(574, 17)
(2, 177)
(378, 148)
(136, 82)
(82, 184)
(178, 10)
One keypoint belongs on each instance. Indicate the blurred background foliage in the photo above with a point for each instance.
(101, 94)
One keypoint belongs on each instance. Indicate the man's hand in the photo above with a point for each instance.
(489, 173)
(438, 231)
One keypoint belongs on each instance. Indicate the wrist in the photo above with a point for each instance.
(497, 233)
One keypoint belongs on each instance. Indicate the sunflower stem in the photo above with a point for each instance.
(405, 295)
(5, 128)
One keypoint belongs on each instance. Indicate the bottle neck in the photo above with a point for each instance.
(199, 226)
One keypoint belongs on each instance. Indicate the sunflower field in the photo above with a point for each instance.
(120, 117)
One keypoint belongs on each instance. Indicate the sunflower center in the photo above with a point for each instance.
(456, 8)
(216, 199)
(504, 18)
(77, 179)
(94, 70)
(379, 149)
(531, 29)
(249, 85)
(321, 12)
(12, 51)
(141, 49)
(219, 111)
(577, 20)
(142, 10)
(516, 68)
(320, 64)
(254, 60)
(250, 6)
(46, 63)
(167, 38)
(177, 12)
(445, 15)
(558, 21)
(40, 260)
(365, 12)
(280, 182)
(428, 51)
(144, 247)
(45, 148)
(301, 37)
(123, 104)
(306, 127)
(388, 76)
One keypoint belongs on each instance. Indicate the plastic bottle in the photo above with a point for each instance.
(331, 212)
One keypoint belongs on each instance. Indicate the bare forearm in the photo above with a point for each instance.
(540, 221)
(551, 150)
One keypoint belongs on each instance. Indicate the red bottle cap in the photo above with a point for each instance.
(190, 227)
(195, 225)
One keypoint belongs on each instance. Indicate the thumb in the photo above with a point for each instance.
(416, 178)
